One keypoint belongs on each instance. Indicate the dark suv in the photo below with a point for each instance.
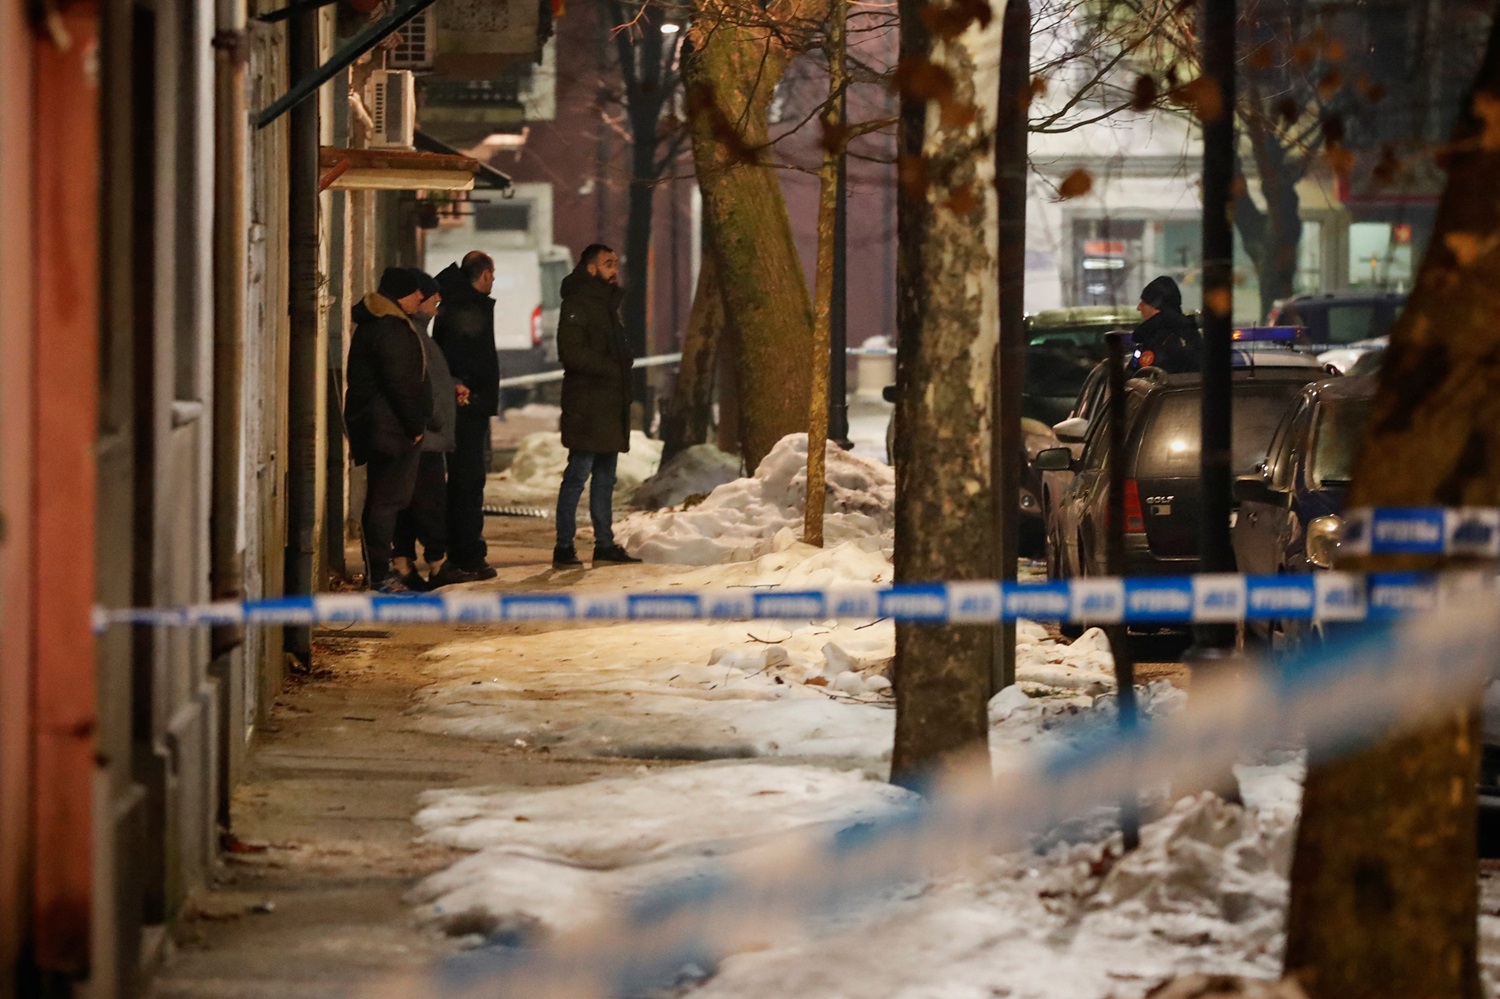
(1162, 492)
(1337, 320)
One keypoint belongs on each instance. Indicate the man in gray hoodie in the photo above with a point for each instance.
(426, 518)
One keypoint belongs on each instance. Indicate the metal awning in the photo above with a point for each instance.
(395, 170)
(487, 179)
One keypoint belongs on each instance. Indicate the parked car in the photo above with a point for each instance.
(1339, 320)
(1291, 503)
(1062, 347)
(1162, 491)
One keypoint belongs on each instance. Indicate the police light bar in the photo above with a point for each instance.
(1267, 334)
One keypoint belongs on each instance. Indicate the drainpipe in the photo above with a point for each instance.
(303, 402)
(226, 566)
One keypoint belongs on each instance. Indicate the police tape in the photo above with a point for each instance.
(1324, 596)
(1472, 532)
(1358, 689)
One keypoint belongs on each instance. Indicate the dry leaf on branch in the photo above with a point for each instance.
(1075, 185)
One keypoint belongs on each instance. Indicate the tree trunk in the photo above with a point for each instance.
(690, 412)
(1384, 884)
(731, 75)
(822, 338)
(640, 203)
(1273, 236)
(948, 323)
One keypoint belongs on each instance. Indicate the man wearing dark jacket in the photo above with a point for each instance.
(387, 406)
(1166, 338)
(465, 332)
(596, 359)
(426, 519)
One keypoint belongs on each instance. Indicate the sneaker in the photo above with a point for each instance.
(475, 572)
(566, 558)
(615, 554)
(414, 582)
(393, 584)
(448, 575)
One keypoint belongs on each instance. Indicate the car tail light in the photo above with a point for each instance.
(536, 326)
(1135, 517)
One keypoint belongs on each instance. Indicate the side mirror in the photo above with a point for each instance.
(1254, 488)
(1071, 431)
(1054, 459)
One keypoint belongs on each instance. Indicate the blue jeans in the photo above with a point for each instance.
(581, 465)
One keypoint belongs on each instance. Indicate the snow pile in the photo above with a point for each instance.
(537, 469)
(739, 519)
(550, 859)
(697, 471)
(1206, 892)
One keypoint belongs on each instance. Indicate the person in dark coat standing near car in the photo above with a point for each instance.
(465, 332)
(426, 518)
(387, 408)
(596, 359)
(1166, 338)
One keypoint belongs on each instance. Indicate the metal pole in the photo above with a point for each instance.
(303, 402)
(1215, 641)
(1119, 639)
(1010, 357)
(838, 317)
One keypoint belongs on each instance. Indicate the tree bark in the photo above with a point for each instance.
(690, 413)
(739, 53)
(948, 323)
(1384, 884)
(822, 338)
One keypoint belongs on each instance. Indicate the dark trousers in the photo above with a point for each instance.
(467, 469)
(582, 467)
(426, 519)
(389, 484)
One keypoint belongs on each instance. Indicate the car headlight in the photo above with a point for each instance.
(1323, 540)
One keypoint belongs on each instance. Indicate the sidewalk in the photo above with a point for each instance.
(315, 904)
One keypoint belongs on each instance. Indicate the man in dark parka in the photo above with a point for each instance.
(387, 408)
(465, 332)
(596, 359)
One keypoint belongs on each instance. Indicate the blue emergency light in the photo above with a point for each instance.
(1267, 334)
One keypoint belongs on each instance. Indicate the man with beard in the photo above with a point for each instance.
(1166, 338)
(596, 359)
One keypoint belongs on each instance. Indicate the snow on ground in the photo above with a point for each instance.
(537, 469)
(695, 472)
(739, 519)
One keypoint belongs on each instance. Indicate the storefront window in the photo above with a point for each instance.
(1380, 256)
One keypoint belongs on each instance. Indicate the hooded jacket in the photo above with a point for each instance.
(465, 330)
(388, 395)
(1172, 342)
(596, 360)
(440, 436)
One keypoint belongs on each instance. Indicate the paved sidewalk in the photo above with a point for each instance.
(313, 904)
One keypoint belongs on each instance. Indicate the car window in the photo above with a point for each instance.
(1170, 438)
(1294, 447)
(1096, 444)
(553, 272)
(1093, 392)
(1276, 452)
(1348, 323)
(1336, 443)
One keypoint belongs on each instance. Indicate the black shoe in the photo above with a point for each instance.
(615, 554)
(413, 581)
(565, 558)
(476, 572)
(448, 575)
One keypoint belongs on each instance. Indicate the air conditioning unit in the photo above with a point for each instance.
(392, 101)
(416, 47)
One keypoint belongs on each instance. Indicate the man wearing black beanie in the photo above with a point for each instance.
(387, 408)
(1166, 338)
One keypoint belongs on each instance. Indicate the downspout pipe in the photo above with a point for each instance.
(303, 401)
(230, 252)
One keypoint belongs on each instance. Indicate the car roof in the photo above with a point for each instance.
(1193, 380)
(1080, 315)
(1344, 297)
(1347, 387)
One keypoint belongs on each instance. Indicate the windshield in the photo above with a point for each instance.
(1170, 437)
(1336, 441)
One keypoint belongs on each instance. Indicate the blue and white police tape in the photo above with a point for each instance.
(1355, 691)
(1325, 596)
(1462, 531)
